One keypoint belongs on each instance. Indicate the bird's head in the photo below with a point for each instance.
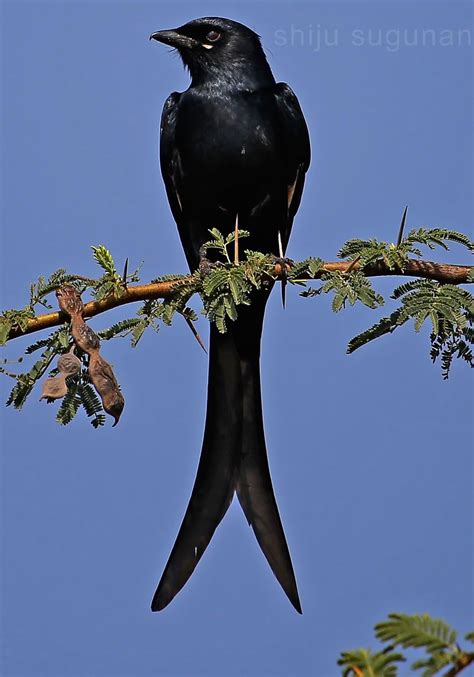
(214, 47)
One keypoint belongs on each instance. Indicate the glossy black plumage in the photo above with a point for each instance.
(234, 143)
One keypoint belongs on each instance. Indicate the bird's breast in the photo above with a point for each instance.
(228, 139)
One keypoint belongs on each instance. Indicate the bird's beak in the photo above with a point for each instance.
(174, 39)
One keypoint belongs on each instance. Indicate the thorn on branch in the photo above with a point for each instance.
(352, 265)
(125, 273)
(196, 335)
(402, 226)
(236, 241)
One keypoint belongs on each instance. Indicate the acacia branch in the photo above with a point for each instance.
(463, 661)
(442, 272)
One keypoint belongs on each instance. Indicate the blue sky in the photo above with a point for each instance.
(371, 454)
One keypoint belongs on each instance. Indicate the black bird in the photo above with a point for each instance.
(234, 144)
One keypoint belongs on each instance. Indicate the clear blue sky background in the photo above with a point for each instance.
(371, 455)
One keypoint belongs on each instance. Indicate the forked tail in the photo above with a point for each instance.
(233, 458)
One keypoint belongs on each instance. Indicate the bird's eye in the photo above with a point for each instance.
(213, 36)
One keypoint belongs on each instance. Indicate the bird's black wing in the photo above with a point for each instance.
(171, 170)
(295, 136)
(169, 156)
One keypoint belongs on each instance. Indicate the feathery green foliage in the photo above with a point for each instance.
(91, 403)
(302, 270)
(13, 319)
(365, 663)
(435, 237)
(54, 345)
(111, 283)
(347, 288)
(416, 631)
(26, 381)
(104, 259)
(221, 242)
(369, 252)
(71, 402)
(119, 329)
(433, 635)
(224, 286)
(79, 394)
(450, 310)
(433, 663)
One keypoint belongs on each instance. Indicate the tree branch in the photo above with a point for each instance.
(442, 272)
(464, 661)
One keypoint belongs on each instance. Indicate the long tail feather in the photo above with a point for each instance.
(254, 484)
(215, 480)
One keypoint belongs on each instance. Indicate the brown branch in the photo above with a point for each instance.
(442, 272)
(463, 661)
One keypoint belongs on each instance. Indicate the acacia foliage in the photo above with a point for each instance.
(433, 635)
(227, 284)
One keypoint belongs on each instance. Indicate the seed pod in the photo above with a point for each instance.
(54, 388)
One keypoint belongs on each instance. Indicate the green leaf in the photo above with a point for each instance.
(5, 327)
(26, 382)
(231, 236)
(417, 631)
(433, 663)
(104, 259)
(370, 664)
(338, 302)
(92, 404)
(71, 402)
(437, 237)
(137, 332)
(120, 329)
(384, 326)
